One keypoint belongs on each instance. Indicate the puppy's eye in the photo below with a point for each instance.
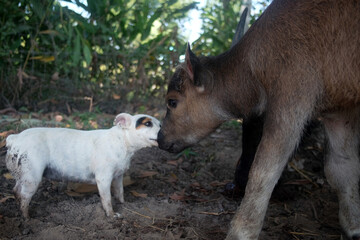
(172, 103)
(148, 124)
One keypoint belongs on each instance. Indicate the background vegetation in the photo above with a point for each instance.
(120, 51)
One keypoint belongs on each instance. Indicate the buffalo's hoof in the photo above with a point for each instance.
(231, 190)
(356, 237)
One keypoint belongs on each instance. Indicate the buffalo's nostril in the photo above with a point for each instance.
(160, 140)
(160, 136)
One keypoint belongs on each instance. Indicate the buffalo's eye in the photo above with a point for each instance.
(148, 124)
(172, 103)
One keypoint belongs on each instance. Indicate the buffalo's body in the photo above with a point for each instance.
(299, 60)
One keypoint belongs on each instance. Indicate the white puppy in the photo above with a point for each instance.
(97, 156)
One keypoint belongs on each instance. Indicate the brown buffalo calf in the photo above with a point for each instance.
(299, 60)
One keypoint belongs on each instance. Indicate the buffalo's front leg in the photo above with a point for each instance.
(281, 134)
(252, 130)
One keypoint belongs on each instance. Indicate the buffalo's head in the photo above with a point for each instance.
(193, 109)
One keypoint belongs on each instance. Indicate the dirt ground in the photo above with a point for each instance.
(179, 197)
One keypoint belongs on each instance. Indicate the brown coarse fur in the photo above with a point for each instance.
(299, 60)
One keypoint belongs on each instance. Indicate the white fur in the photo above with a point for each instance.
(97, 156)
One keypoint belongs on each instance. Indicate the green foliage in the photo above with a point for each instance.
(263, 4)
(186, 153)
(219, 18)
(51, 53)
(232, 124)
(121, 50)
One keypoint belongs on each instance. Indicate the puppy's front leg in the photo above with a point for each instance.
(104, 185)
(119, 188)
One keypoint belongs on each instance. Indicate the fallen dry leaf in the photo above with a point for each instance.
(136, 194)
(73, 194)
(6, 198)
(172, 162)
(144, 174)
(82, 188)
(116, 96)
(59, 118)
(172, 178)
(195, 185)
(127, 181)
(219, 184)
(173, 175)
(6, 133)
(175, 162)
(8, 176)
(179, 196)
(298, 182)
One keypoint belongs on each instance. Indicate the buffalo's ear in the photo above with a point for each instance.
(198, 75)
(191, 62)
(240, 29)
(123, 120)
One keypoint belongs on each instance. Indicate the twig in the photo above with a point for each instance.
(304, 233)
(90, 99)
(7, 110)
(156, 228)
(302, 174)
(215, 213)
(205, 201)
(74, 228)
(145, 216)
(196, 233)
(295, 237)
(314, 211)
(137, 213)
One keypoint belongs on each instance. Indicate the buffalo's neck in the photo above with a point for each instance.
(235, 86)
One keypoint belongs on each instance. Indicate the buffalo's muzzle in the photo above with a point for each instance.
(172, 147)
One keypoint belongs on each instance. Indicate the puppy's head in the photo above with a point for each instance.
(142, 129)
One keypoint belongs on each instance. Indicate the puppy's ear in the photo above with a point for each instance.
(123, 120)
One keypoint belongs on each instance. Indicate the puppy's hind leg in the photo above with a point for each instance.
(342, 167)
(119, 188)
(24, 189)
